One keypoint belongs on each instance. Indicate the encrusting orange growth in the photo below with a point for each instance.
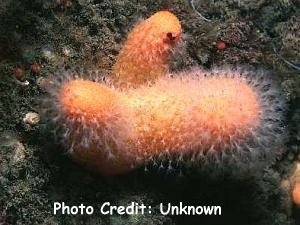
(296, 194)
(144, 56)
(175, 115)
(295, 179)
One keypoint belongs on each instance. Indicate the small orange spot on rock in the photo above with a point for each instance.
(221, 45)
(19, 73)
(35, 68)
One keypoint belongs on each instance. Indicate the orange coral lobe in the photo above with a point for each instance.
(174, 115)
(296, 194)
(194, 115)
(100, 130)
(228, 102)
(164, 22)
(144, 56)
(86, 97)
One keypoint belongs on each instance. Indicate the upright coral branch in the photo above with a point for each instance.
(144, 56)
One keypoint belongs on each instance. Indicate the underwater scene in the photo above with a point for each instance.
(143, 112)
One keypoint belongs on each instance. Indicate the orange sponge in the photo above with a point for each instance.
(195, 113)
(144, 56)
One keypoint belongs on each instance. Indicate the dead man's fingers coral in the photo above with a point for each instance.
(295, 187)
(220, 116)
(98, 125)
(144, 56)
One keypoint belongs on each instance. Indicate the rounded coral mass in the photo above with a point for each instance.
(296, 194)
(144, 56)
(98, 129)
(221, 117)
(195, 113)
